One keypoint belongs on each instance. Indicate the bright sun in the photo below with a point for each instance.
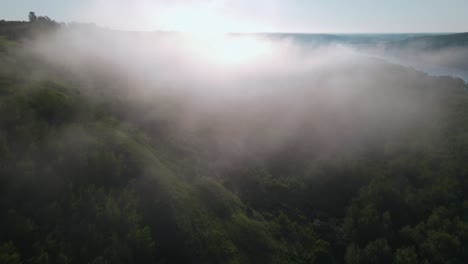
(229, 49)
(198, 20)
(209, 36)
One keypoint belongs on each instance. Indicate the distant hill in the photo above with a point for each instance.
(433, 42)
(348, 39)
(400, 40)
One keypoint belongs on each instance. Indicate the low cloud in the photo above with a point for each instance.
(244, 96)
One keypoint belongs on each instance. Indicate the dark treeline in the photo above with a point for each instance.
(82, 180)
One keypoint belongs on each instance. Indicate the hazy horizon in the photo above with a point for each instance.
(299, 16)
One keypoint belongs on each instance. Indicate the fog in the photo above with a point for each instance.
(451, 61)
(248, 96)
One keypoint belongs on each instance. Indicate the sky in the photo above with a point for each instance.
(307, 16)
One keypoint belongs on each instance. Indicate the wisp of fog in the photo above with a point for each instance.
(246, 95)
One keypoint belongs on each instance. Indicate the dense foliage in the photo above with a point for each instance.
(82, 183)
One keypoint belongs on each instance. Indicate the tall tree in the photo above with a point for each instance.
(32, 17)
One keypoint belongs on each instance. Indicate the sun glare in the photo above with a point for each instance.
(228, 49)
(196, 20)
(209, 35)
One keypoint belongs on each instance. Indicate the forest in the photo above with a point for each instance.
(94, 168)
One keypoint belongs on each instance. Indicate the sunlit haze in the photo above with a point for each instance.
(234, 131)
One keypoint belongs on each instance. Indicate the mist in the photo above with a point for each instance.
(248, 96)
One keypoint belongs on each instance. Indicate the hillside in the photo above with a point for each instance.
(458, 40)
(93, 170)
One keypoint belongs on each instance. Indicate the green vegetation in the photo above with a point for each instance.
(81, 183)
